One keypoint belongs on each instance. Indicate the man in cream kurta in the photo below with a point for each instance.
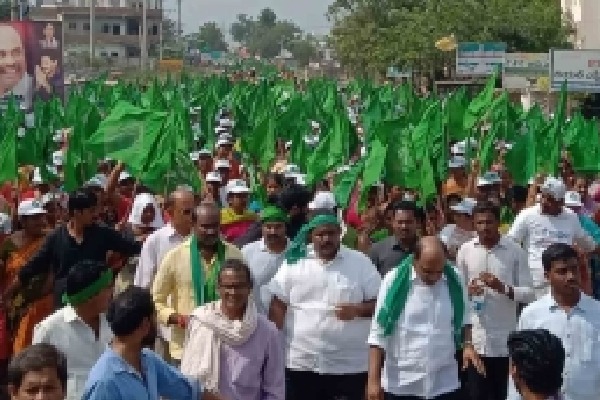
(174, 275)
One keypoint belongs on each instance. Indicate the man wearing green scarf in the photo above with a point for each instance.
(188, 274)
(323, 299)
(80, 330)
(420, 323)
(265, 256)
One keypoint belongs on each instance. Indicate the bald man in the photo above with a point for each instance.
(188, 274)
(180, 208)
(416, 343)
(13, 66)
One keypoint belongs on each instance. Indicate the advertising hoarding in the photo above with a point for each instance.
(31, 62)
(476, 59)
(580, 68)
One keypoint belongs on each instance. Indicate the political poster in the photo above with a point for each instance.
(31, 62)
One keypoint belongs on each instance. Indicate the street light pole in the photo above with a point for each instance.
(92, 29)
(144, 44)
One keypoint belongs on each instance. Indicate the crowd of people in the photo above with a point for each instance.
(114, 292)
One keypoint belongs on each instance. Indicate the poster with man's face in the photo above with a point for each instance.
(30, 61)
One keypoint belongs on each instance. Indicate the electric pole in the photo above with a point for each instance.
(144, 49)
(92, 29)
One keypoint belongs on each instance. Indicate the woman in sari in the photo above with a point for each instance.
(35, 302)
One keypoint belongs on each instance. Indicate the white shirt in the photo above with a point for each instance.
(579, 332)
(156, 245)
(507, 262)
(537, 231)
(420, 353)
(315, 339)
(263, 265)
(77, 341)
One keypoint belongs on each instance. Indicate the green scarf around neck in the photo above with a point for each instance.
(397, 295)
(205, 288)
(298, 248)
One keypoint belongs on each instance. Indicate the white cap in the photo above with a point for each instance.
(501, 144)
(226, 122)
(315, 125)
(554, 187)
(99, 180)
(323, 201)
(291, 170)
(30, 207)
(204, 152)
(288, 145)
(219, 130)
(223, 141)
(300, 179)
(312, 140)
(222, 164)
(194, 156)
(465, 206)
(195, 110)
(573, 199)
(57, 158)
(457, 162)
(124, 175)
(488, 179)
(237, 186)
(213, 176)
(343, 168)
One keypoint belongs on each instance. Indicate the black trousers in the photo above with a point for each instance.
(302, 385)
(447, 396)
(492, 386)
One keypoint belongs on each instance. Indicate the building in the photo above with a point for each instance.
(585, 15)
(117, 28)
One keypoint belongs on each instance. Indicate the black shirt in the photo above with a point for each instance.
(387, 254)
(60, 251)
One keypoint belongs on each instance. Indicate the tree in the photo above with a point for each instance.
(303, 51)
(211, 38)
(370, 35)
(265, 35)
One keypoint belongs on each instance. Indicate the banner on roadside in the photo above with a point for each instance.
(580, 68)
(524, 70)
(31, 62)
(479, 59)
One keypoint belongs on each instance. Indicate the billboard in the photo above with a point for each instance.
(476, 59)
(580, 68)
(521, 68)
(31, 64)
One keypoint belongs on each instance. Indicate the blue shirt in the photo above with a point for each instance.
(112, 378)
(590, 227)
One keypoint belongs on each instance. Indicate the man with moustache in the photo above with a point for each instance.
(574, 318)
(265, 256)
(128, 370)
(13, 66)
(323, 298)
(187, 275)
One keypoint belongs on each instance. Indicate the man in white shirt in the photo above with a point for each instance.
(496, 268)
(419, 324)
(265, 256)
(547, 223)
(574, 318)
(323, 299)
(80, 330)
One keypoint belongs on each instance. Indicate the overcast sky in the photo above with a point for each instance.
(308, 14)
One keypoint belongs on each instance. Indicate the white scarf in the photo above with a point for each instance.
(139, 203)
(208, 329)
